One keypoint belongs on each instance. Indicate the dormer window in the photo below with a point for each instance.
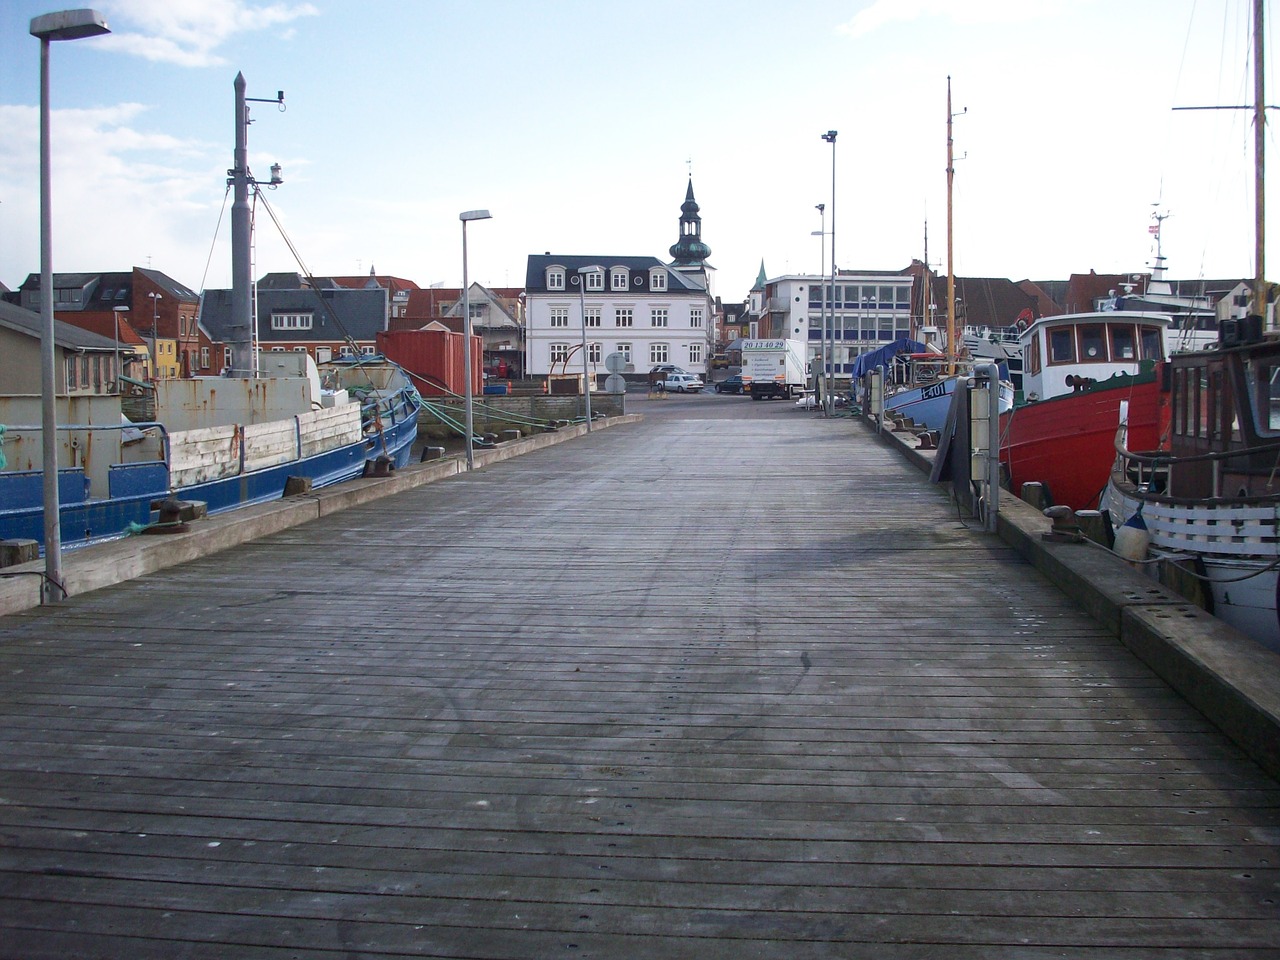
(595, 280)
(658, 279)
(555, 278)
(618, 278)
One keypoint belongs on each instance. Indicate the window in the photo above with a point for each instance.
(1152, 348)
(593, 353)
(658, 353)
(695, 316)
(277, 350)
(618, 278)
(1093, 344)
(625, 350)
(204, 358)
(1062, 345)
(299, 349)
(226, 357)
(593, 316)
(344, 350)
(695, 353)
(623, 317)
(291, 321)
(368, 351)
(559, 316)
(559, 352)
(658, 280)
(1123, 346)
(658, 316)
(555, 278)
(595, 280)
(71, 373)
(84, 371)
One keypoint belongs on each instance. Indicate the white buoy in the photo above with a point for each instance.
(1133, 538)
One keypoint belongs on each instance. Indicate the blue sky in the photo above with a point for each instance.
(576, 123)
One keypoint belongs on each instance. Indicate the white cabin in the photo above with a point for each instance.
(1059, 352)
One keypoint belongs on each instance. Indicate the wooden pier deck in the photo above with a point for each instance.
(731, 683)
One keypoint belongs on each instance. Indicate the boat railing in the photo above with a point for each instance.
(1154, 469)
(101, 473)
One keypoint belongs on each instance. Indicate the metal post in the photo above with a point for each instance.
(829, 339)
(242, 319)
(582, 306)
(65, 25)
(468, 400)
(822, 270)
(52, 589)
(467, 388)
(985, 440)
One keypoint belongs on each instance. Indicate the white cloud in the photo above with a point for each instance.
(189, 32)
(884, 12)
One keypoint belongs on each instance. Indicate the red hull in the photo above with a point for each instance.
(1068, 442)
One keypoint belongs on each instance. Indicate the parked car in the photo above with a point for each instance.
(682, 383)
(667, 368)
(730, 384)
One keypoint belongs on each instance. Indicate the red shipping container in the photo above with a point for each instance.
(434, 359)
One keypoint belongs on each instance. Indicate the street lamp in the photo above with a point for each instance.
(116, 311)
(830, 377)
(64, 25)
(467, 216)
(583, 272)
(822, 269)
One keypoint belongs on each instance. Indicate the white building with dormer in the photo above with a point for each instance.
(649, 311)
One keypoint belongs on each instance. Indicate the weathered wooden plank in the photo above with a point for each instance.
(738, 686)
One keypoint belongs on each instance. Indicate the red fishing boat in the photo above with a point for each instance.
(1083, 374)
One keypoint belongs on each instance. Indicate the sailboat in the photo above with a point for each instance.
(1210, 498)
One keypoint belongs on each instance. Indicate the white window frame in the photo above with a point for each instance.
(658, 280)
(618, 278)
(621, 314)
(368, 351)
(624, 349)
(558, 353)
(593, 352)
(659, 317)
(593, 316)
(555, 278)
(695, 353)
(291, 321)
(659, 353)
(559, 317)
(695, 317)
(595, 280)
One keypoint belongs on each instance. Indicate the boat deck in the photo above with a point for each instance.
(732, 682)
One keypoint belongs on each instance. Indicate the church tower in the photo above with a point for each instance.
(689, 253)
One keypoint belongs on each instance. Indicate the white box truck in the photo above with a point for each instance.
(774, 368)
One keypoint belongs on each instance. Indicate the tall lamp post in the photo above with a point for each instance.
(583, 273)
(822, 270)
(64, 25)
(468, 402)
(829, 400)
(116, 311)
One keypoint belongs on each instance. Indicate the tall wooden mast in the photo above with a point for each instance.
(951, 270)
(1259, 166)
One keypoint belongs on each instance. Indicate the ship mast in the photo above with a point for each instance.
(951, 270)
(1259, 166)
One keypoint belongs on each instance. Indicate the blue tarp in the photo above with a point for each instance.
(883, 356)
